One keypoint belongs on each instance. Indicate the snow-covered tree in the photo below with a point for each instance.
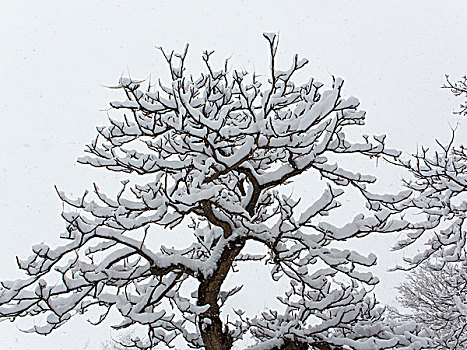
(439, 188)
(214, 154)
(432, 298)
(435, 215)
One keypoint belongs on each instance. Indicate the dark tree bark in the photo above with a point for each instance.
(215, 335)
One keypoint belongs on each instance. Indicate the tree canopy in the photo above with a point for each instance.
(214, 153)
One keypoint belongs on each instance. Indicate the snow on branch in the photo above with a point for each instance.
(439, 188)
(214, 151)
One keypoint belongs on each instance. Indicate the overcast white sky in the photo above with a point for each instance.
(55, 58)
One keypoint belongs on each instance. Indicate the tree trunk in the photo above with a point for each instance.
(216, 335)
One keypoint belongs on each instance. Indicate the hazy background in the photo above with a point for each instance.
(56, 58)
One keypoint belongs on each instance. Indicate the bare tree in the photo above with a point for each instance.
(215, 153)
(434, 297)
(458, 88)
(123, 341)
